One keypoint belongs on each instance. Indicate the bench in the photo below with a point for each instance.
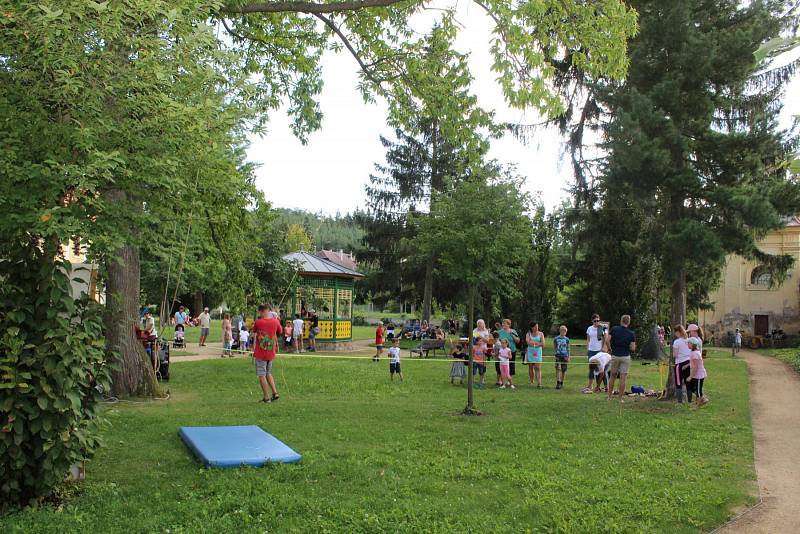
(426, 346)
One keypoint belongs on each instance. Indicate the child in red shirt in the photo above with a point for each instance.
(378, 341)
(265, 338)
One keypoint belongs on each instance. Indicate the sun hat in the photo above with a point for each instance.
(692, 328)
(694, 341)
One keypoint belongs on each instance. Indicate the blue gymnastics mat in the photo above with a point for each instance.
(234, 446)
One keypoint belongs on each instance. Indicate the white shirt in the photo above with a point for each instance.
(594, 343)
(394, 354)
(602, 359)
(244, 335)
(298, 327)
(503, 355)
(683, 350)
(205, 320)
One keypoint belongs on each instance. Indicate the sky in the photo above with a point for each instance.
(328, 174)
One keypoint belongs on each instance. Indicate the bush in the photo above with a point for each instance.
(51, 360)
(360, 320)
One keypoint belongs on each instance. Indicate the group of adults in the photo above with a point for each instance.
(183, 318)
(418, 330)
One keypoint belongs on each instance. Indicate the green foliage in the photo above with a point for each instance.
(339, 232)
(51, 359)
(790, 356)
(381, 457)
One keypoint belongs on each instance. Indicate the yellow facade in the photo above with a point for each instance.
(745, 299)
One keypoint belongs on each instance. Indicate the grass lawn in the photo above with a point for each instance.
(382, 457)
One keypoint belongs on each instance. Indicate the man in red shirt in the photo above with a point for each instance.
(265, 336)
(378, 341)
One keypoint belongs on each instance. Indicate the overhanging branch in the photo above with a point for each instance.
(308, 7)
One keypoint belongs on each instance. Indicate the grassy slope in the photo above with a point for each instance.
(390, 457)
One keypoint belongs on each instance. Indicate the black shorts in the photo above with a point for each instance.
(682, 371)
(394, 368)
(561, 363)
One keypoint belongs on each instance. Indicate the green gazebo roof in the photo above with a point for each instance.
(314, 265)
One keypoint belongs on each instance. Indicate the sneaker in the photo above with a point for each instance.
(503, 386)
(512, 386)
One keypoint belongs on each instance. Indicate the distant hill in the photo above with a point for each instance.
(334, 233)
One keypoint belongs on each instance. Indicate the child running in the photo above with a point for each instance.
(698, 372)
(394, 360)
(458, 370)
(504, 357)
(561, 347)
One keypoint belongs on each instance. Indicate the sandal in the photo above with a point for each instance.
(274, 398)
(265, 400)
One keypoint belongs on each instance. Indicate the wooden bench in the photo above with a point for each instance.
(426, 346)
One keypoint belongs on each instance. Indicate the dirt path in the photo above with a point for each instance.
(775, 408)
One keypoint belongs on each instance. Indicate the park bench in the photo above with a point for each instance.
(426, 346)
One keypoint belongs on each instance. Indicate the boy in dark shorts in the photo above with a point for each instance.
(265, 336)
(394, 360)
(561, 347)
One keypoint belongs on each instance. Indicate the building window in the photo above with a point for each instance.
(761, 276)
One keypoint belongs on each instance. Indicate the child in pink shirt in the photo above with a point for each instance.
(698, 371)
(503, 356)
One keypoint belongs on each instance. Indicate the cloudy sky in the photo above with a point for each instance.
(329, 173)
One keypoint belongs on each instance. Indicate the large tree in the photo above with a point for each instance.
(114, 104)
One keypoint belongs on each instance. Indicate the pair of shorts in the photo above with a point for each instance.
(204, 332)
(561, 362)
(682, 371)
(379, 347)
(264, 367)
(619, 364)
(589, 354)
(226, 345)
(478, 368)
(394, 367)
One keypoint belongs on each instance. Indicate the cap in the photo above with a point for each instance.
(692, 328)
(695, 341)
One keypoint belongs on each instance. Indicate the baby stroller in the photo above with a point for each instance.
(179, 342)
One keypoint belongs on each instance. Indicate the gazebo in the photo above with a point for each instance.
(327, 288)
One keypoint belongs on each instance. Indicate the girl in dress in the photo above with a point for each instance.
(533, 356)
(227, 335)
(458, 370)
(504, 357)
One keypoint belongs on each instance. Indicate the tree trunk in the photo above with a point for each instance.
(470, 409)
(198, 302)
(133, 374)
(677, 317)
(427, 296)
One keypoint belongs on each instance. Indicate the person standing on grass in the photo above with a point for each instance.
(533, 356)
(682, 370)
(394, 361)
(479, 360)
(562, 351)
(595, 336)
(378, 342)
(244, 336)
(205, 326)
(458, 370)
(698, 371)
(313, 331)
(512, 337)
(504, 357)
(227, 335)
(622, 342)
(265, 338)
(297, 333)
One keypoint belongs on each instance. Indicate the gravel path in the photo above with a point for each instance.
(775, 409)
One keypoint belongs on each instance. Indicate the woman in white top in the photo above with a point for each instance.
(681, 353)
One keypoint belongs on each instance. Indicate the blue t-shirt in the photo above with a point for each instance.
(621, 339)
(561, 345)
(180, 317)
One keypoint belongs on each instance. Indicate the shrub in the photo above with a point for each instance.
(51, 361)
(360, 320)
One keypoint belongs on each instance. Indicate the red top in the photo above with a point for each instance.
(265, 334)
(379, 335)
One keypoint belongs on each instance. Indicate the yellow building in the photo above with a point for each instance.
(745, 299)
